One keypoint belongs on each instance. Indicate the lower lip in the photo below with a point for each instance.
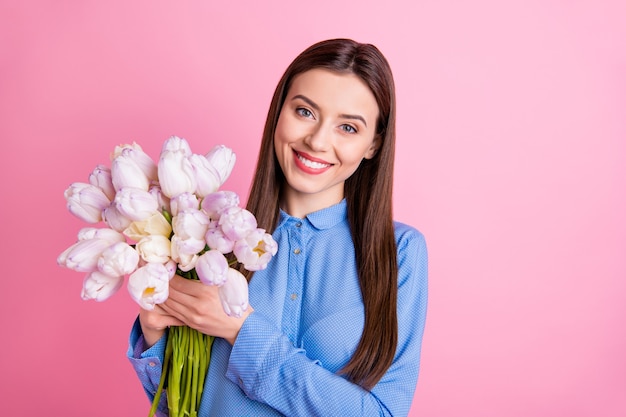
(308, 170)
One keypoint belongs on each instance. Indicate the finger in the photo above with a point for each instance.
(175, 308)
(184, 285)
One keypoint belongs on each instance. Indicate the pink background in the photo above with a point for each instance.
(511, 160)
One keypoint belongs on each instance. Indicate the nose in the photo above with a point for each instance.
(319, 138)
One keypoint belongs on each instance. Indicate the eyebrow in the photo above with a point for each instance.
(316, 107)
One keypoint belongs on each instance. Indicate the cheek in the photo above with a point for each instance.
(280, 134)
(353, 155)
(280, 140)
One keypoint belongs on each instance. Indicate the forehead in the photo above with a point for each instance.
(335, 92)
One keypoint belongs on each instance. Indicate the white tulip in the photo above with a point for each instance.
(189, 246)
(99, 287)
(86, 201)
(176, 175)
(101, 177)
(234, 293)
(118, 259)
(176, 144)
(83, 255)
(149, 285)
(136, 204)
(114, 218)
(132, 167)
(185, 253)
(207, 178)
(222, 159)
(104, 233)
(190, 223)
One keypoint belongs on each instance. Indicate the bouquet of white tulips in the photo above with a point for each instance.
(162, 219)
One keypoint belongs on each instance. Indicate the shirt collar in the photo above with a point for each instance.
(321, 219)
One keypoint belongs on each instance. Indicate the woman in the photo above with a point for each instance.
(336, 320)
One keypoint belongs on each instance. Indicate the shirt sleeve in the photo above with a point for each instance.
(148, 364)
(269, 369)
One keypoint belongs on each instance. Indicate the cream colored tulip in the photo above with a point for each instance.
(154, 248)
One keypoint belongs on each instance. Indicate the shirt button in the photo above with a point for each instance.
(294, 296)
(152, 364)
(296, 251)
(299, 224)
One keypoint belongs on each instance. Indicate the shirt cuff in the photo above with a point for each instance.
(256, 339)
(147, 363)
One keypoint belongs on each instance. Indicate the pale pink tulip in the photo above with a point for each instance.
(114, 218)
(222, 159)
(99, 287)
(118, 259)
(185, 252)
(213, 204)
(83, 255)
(149, 285)
(176, 175)
(234, 293)
(176, 144)
(255, 250)
(207, 178)
(132, 167)
(212, 268)
(86, 201)
(135, 203)
(101, 178)
(183, 202)
(190, 223)
(162, 200)
(216, 239)
(237, 222)
(104, 233)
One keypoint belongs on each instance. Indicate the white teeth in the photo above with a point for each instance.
(312, 164)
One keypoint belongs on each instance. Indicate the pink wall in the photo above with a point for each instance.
(512, 161)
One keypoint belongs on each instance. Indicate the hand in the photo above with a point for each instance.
(198, 306)
(154, 322)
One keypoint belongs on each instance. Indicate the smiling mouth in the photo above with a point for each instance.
(311, 164)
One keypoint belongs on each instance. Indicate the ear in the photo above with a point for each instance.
(371, 151)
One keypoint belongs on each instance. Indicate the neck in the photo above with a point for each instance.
(301, 204)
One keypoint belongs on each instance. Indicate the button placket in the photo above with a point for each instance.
(291, 308)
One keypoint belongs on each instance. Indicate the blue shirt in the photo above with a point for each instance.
(306, 324)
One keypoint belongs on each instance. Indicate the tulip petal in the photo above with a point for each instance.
(212, 267)
(234, 293)
(99, 287)
(149, 285)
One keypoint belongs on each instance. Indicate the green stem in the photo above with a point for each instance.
(164, 375)
(186, 365)
(195, 363)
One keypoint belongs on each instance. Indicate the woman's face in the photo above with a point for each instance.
(326, 126)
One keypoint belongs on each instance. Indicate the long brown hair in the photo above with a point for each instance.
(368, 194)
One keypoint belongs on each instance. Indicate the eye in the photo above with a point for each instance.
(304, 112)
(348, 128)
